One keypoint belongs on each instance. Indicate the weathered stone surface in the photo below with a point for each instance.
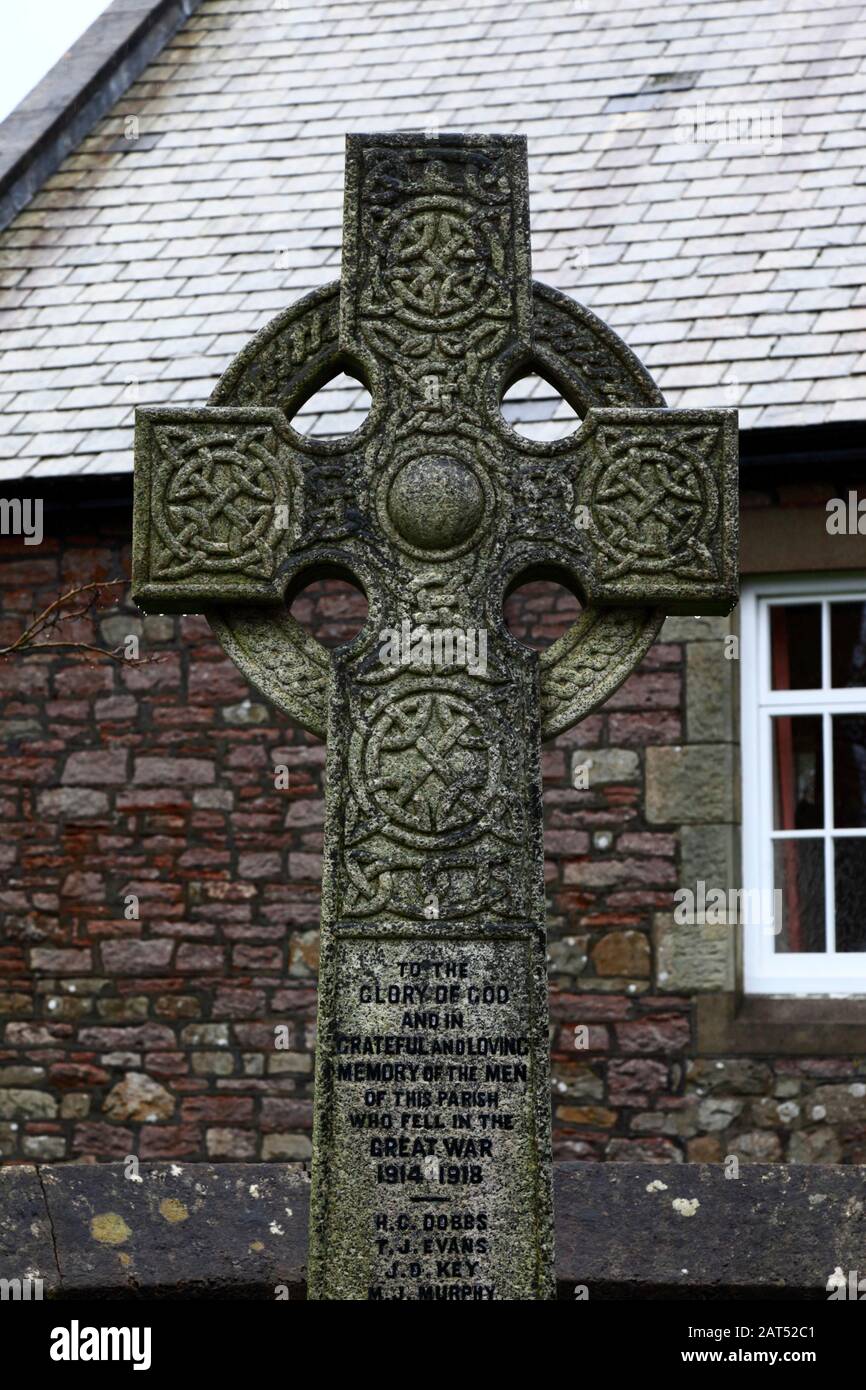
(622, 953)
(604, 765)
(681, 628)
(741, 1076)
(94, 767)
(716, 1114)
(290, 1147)
(432, 1082)
(139, 1098)
(757, 1146)
(17, 1104)
(837, 1104)
(74, 803)
(818, 1145)
(26, 1248)
(59, 961)
(625, 1230)
(707, 852)
(690, 784)
(692, 958)
(709, 693)
(201, 1229)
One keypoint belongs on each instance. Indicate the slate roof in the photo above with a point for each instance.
(729, 255)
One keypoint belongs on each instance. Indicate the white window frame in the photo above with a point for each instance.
(765, 971)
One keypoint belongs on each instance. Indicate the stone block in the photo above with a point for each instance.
(691, 958)
(622, 953)
(686, 784)
(710, 853)
(680, 628)
(709, 693)
(605, 765)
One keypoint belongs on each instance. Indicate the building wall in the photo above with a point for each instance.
(156, 1035)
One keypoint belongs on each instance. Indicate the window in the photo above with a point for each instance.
(803, 674)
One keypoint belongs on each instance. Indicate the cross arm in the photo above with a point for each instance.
(640, 507)
(217, 504)
(656, 494)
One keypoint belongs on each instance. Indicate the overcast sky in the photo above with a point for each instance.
(34, 35)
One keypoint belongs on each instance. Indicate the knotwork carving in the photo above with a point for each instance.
(652, 493)
(219, 501)
(581, 670)
(215, 503)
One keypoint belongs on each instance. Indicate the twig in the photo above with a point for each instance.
(57, 612)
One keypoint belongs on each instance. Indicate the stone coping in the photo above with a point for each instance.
(240, 1231)
(100, 66)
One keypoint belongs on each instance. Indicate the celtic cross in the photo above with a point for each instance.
(431, 1170)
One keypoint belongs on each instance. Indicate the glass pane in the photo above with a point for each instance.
(850, 894)
(798, 874)
(848, 644)
(795, 646)
(798, 772)
(849, 770)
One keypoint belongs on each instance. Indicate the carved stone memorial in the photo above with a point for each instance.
(431, 1169)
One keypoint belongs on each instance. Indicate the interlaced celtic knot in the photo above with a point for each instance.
(428, 761)
(654, 501)
(219, 503)
(435, 268)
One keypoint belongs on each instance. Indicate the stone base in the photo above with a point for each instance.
(623, 1230)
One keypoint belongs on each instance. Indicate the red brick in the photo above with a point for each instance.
(203, 959)
(217, 1110)
(662, 1033)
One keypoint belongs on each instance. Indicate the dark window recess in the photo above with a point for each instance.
(848, 644)
(849, 771)
(850, 856)
(798, 871)
(798, 781)
(795, 639)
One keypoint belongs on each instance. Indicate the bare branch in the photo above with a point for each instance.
(60, 611)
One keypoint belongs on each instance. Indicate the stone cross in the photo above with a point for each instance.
(431, 1168)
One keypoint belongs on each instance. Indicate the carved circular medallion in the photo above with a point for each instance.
(649, 501)
(218, 507)
(435, 505)
(427, 765)
(438, 262)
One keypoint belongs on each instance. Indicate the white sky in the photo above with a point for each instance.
(34, 35)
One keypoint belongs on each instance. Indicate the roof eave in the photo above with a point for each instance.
(64, 107)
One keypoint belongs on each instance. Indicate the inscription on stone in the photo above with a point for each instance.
(429, 1075)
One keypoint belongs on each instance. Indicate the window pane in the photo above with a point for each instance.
(798, 772)
(798, 873)
(849, 770)
(850, 894)
(848, 644)
(795, 646)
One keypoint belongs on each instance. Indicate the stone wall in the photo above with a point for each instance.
(155, 1035)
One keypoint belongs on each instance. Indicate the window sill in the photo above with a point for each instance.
(764, 1025)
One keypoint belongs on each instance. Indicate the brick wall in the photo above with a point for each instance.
(155, 1034)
